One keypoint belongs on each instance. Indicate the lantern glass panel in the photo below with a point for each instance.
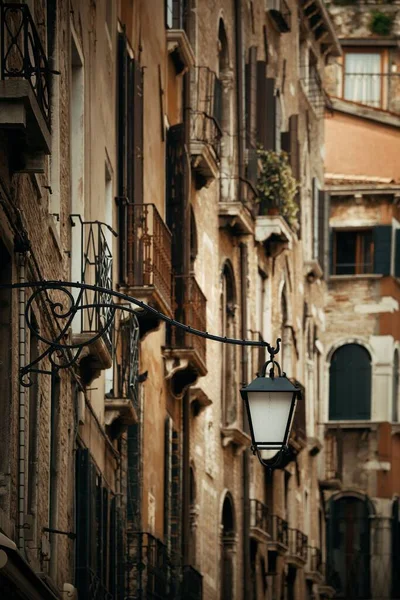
(270, 415)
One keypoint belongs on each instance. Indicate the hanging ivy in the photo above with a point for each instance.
(276, 186)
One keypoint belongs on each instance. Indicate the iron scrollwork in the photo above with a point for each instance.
(66, 299)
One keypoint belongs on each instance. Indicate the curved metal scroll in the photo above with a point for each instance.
(62, 351)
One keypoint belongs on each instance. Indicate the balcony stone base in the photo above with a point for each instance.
(120, 409)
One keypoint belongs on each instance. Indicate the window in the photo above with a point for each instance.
(353, 252)
(228, 329)
(362, 77)
(350, 384)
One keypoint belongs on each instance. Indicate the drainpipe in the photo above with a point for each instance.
(246, 457)
(240, 101)
(22, 405)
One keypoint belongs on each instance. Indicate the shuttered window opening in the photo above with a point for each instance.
(130, 142)
(251, 98)
(350, 384)
(97, 532)
(362, 251)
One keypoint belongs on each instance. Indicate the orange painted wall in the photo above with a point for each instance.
(352, 145)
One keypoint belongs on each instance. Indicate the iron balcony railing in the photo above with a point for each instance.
(298, 543)
(258, 515)
(190, 308)
(155, 574)
(146, 249)
(22, 53)
(126, 359)
(192, 584)
(96, 269)
(278, 529)
(90, 586)
(206, 114)
(314, 560)
(147, 567)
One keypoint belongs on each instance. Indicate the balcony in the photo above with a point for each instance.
(145, 259)
(272, 227)
(154, 574)
(90, 585)
(185, 354)
(177, 41)
(297, 548)
(148, 567)
(24, 89)
(205, 130)
(121, 403)
(314, 568)
(278, 530)
(96, 314)
(258, 521)
(280, 13)
(314, 90)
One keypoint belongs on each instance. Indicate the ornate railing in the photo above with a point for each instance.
(96, 269)
(147, 567)
(126, 358)
(297, 543)
(192, 584)
(206, 112)
(258, 515)
(314, 89)
(90, 586)
(22, 53)
(314, 560)
(147, 249)
(278, 529)
(190, 306)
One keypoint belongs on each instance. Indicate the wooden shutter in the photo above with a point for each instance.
(261, 107)
(217, 108)
(271, 114)
(251, 98)
(382, 249)
(397, 253)
(137, 134)
(294, 150)
(323, 228)
(175, 192)
(86, 542)
(350, 384)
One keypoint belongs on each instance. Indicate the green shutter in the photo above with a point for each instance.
(382, 249)
(350, 384)
(397, 253)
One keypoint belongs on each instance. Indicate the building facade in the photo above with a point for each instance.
(360, 407)
(141, 148)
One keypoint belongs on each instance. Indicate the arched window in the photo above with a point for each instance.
(350, 384)
(228, 329)
(348, 538)
(223, 52)
(228, 550)
(395, 396)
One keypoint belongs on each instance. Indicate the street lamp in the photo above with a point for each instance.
(270, 404)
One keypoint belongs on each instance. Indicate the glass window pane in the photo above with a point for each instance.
(362, 81)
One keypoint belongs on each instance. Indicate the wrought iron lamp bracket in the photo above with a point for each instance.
(62, 351)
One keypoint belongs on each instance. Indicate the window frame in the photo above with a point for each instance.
(358, 252)
(383, 62)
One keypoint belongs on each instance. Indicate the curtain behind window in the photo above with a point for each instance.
(363, 78)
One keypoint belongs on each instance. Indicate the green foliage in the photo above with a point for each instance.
(381, 23)
(276, 186)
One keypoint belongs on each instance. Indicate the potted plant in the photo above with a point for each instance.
(276, 186)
